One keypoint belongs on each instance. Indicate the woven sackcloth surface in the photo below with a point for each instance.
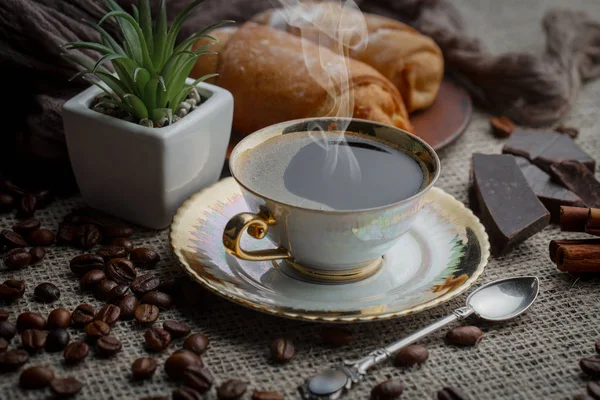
(533, 357)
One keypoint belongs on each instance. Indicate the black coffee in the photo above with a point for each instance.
(331, 171)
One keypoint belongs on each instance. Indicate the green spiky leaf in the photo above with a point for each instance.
(150, 71)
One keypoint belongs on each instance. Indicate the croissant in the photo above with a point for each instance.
(412, 61)
(265, 70)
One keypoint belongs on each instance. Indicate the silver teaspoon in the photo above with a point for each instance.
(500, 300)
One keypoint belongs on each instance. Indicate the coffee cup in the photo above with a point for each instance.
(326, 243)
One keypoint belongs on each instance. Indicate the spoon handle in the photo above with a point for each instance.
(380, 355)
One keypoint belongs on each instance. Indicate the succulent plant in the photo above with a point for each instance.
(150, 69)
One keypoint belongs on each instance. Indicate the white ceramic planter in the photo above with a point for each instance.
(142, 174)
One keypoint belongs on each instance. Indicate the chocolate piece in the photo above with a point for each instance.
(576, 177)
(507, 207)
(551, 194)
(544, 148)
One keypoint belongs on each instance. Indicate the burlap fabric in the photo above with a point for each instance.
(534, 357)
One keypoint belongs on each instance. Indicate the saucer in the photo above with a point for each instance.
(441, 256)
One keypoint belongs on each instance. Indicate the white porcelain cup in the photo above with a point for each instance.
(327, 245)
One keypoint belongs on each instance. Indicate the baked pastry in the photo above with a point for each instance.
(266, 72)
(412, 61)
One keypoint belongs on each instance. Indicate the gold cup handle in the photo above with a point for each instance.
(257, 226)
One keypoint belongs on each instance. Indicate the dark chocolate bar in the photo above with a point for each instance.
(576, 177)
(544, 148)
(551, 194)
(508, 207)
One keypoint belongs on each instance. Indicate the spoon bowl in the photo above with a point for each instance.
(504, 299)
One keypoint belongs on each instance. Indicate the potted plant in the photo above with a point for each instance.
(141, 140)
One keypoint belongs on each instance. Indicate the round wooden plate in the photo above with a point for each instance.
(447, 118)
(439, 125)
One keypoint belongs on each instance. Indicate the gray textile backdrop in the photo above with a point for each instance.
(534, 357)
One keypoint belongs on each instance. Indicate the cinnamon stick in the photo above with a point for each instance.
(556, 244)
(578, 258)
(573, 219)
(592, 225)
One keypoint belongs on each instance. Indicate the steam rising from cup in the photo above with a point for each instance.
(340, 32)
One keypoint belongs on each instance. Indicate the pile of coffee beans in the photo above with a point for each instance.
(24, 201)
(25, 233)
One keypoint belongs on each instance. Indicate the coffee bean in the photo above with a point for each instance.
(108, 346)
(258, 395)
(46, 292)
(57, 340)
(146, 313)
(583, 397)
(3, 315)
(7, 330)
(76, 352)
(143, 257)
(86, 262)
(37, 254)
(198, 343)
(103, 289)
(7, 202)
(123, 242)
(37, 377)
(177, 329)
(186, 393)
(593, 389)
(117, 293)
(31, 320)
(232, 389)
(120, 270)
(464, 336)
(97, 329)
(597, 346)
(83, 315)
(27, 205)
(12, 290)
(180, 361)
(159, 299)
(59, 318)
(65, 387)
(388, 390)
(198, 378)
(33, 340)
(127, 305)
(336, 336)
(27, 226)
(110, 252)
(13, 359)
(65, 235)
(43, 197)
(3, 345)
(9, 187)
(143, 368)
(144, 284)
(12, 240)
(108, 314)
(86, 236)
(157, 339)
(591, 365)
(41, 237)
(117, 231)
(91, 279)
(17, 258)
(451, 393)
(282, 350)
(411, 355)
